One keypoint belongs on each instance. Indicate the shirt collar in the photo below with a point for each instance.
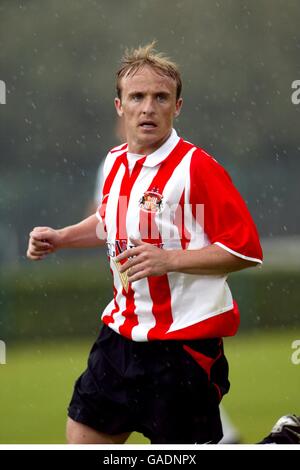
(162, 152)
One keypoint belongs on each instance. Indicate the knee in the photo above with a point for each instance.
(73, 432)
(78, 433)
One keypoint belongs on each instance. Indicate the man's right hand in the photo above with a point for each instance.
(45, 240)
(42, 242)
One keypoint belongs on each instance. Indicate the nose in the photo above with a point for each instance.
(148, 106)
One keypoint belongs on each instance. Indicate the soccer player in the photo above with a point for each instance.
(175, 227)
(231, 434)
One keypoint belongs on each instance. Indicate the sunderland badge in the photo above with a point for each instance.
(151, 201)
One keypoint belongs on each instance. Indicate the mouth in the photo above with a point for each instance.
(148, 124)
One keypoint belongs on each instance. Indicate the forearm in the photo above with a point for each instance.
(209, 260)
(82, 235)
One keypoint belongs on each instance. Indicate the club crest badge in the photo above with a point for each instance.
(151, 201)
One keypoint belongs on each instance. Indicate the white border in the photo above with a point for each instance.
(150, 447)
(239, 255)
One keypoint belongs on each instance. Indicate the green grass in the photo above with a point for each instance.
(265, 383)
(37, 382)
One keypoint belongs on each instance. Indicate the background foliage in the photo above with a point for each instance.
(58, 59)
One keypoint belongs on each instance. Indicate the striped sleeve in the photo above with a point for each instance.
(99, 187)
(110, 166)
(227, 220)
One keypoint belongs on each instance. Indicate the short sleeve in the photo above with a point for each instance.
(98, 215)
(100, 211)
(99, 183)
(105, 175)
(227, 220)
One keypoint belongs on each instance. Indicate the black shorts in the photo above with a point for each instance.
(167, 390)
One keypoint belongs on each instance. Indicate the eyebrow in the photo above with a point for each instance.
(163, 93)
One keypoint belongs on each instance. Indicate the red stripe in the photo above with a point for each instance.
(184, 234)
(107, 186)
(120, 216)
(128, 181)
(102, 211)
(159, 287)
(119, 148)
(204, 362)
(107, 319)
(112, 174)
(218, 391)
(224, 324)
(147, 227)
(159, 181)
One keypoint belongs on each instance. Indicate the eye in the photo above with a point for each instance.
(137, 97)
(161, 98)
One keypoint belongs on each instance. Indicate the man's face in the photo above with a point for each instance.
(148, 106)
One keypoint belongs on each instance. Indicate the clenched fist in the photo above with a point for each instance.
(42, 242)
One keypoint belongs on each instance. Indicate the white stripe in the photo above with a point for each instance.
(102, 173)
(99, 184)
(199, 238)
(187, 289)
(98, 216)
(112, 205)
(172, 193)
(118, 147)
(142, 298)
(196, 298)
(239, 255)
(140, 186)
(143, 309)
(119, 319)
(111, 226)
(109, 161)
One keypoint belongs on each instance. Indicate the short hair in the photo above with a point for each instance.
(135, 59)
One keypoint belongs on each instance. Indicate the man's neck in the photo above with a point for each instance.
(141, 149)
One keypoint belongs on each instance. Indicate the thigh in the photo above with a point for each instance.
(100, 399)
(182, 403)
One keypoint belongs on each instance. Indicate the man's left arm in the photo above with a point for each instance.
(148, 260)
(211, 259)
(234, 241)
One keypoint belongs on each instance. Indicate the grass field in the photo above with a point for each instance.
(37, 381)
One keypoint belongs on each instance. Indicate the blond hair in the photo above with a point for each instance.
(135, 59)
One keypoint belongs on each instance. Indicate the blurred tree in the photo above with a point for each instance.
(58, 60)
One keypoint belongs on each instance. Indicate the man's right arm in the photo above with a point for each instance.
(45, 240)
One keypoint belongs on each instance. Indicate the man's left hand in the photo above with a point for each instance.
(144, 260)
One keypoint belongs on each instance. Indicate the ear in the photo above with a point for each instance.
(178, 107)
(118, 106)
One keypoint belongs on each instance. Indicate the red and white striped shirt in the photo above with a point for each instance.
(178, 197)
